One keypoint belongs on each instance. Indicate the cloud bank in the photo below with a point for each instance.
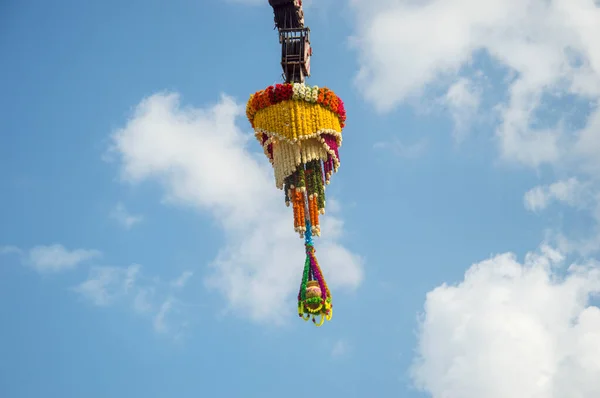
(52, 258)
(547, 49)
(513, 330)
(508, 329)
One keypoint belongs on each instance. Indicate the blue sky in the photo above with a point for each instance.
(461, 236)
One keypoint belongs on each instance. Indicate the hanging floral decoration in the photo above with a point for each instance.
(300, 130)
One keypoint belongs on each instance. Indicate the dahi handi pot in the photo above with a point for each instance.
(313, 290)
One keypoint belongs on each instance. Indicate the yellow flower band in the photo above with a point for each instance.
(273, 95)
(295, 120)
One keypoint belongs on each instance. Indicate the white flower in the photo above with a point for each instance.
(302, 91)
(315, 94)
(308, 94)
(296, 90)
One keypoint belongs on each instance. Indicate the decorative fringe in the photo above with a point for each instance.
(305, 190)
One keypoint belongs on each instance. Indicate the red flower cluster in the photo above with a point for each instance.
(282, 92)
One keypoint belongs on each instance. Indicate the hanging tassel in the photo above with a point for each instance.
(314, 297)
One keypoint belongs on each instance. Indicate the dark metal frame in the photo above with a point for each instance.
(294, 39)
(295, 54)
(288, 13)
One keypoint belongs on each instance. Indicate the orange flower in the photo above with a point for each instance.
(321, 96)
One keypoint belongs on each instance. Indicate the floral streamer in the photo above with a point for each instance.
(300, 130)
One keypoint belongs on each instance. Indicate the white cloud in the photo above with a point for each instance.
(159, 322)
(549, 48)
(53, 258)
(123, 217)
(512, 330)
(182, 279)
(571, 192)
(142, 299)
(537, 198)
(202, 159)
(107, 284)
(462, 99)
(581, 195)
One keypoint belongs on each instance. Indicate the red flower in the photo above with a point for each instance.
(271, 95)
(341, 109)
(263, 138)
(278, 92)
(287, 92)
(256, 101)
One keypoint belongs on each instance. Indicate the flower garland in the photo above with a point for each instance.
(298, 92)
